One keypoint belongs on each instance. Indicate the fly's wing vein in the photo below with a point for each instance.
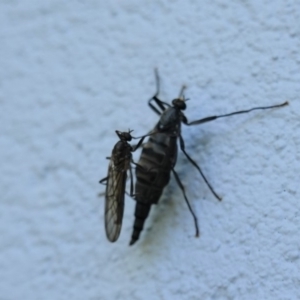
(114, 201)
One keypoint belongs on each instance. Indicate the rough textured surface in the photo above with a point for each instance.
(73, 72)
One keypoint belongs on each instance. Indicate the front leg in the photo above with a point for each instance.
(103, 180)
(161, 105)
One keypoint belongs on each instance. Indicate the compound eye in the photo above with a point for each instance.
(179, 103)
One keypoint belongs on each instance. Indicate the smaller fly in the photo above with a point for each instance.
(120, 163)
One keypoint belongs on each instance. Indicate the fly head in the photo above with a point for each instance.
(179, 103)
(124, 136)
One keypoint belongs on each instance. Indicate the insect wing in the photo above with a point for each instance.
(114, 201)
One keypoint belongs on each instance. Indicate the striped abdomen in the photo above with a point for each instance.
(157, 159)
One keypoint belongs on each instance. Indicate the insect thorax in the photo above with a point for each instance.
(170, 121)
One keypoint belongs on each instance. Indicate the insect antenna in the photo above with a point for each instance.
(181, 93)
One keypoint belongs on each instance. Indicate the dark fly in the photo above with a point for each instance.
(159, 155)
(120, 163)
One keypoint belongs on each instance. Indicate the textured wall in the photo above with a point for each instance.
(72, 72)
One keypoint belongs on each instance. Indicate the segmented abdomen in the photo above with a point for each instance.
(157, 159)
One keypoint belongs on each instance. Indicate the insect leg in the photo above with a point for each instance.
(103, 180)
(187, 201)
(182, 147)
(161, 105)
(138, 144)
(134, 146)
(153, 107)
(132, 195)
(131, 181)
(208, 119)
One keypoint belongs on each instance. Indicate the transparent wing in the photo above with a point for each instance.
(114, 201)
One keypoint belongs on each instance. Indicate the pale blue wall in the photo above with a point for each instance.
(73, 72)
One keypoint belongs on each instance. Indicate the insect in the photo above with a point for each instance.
(120, 163)
(159, 155)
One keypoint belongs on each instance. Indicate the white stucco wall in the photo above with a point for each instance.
(72, 72)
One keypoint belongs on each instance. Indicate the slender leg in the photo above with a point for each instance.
(139, 166)
(162, 105)
(103, 180)
(208, 119)
(138, 144)
(187, 201)
(132, 195)
(182, 147)
(158, 102)
(134, 146)
(131, 181)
